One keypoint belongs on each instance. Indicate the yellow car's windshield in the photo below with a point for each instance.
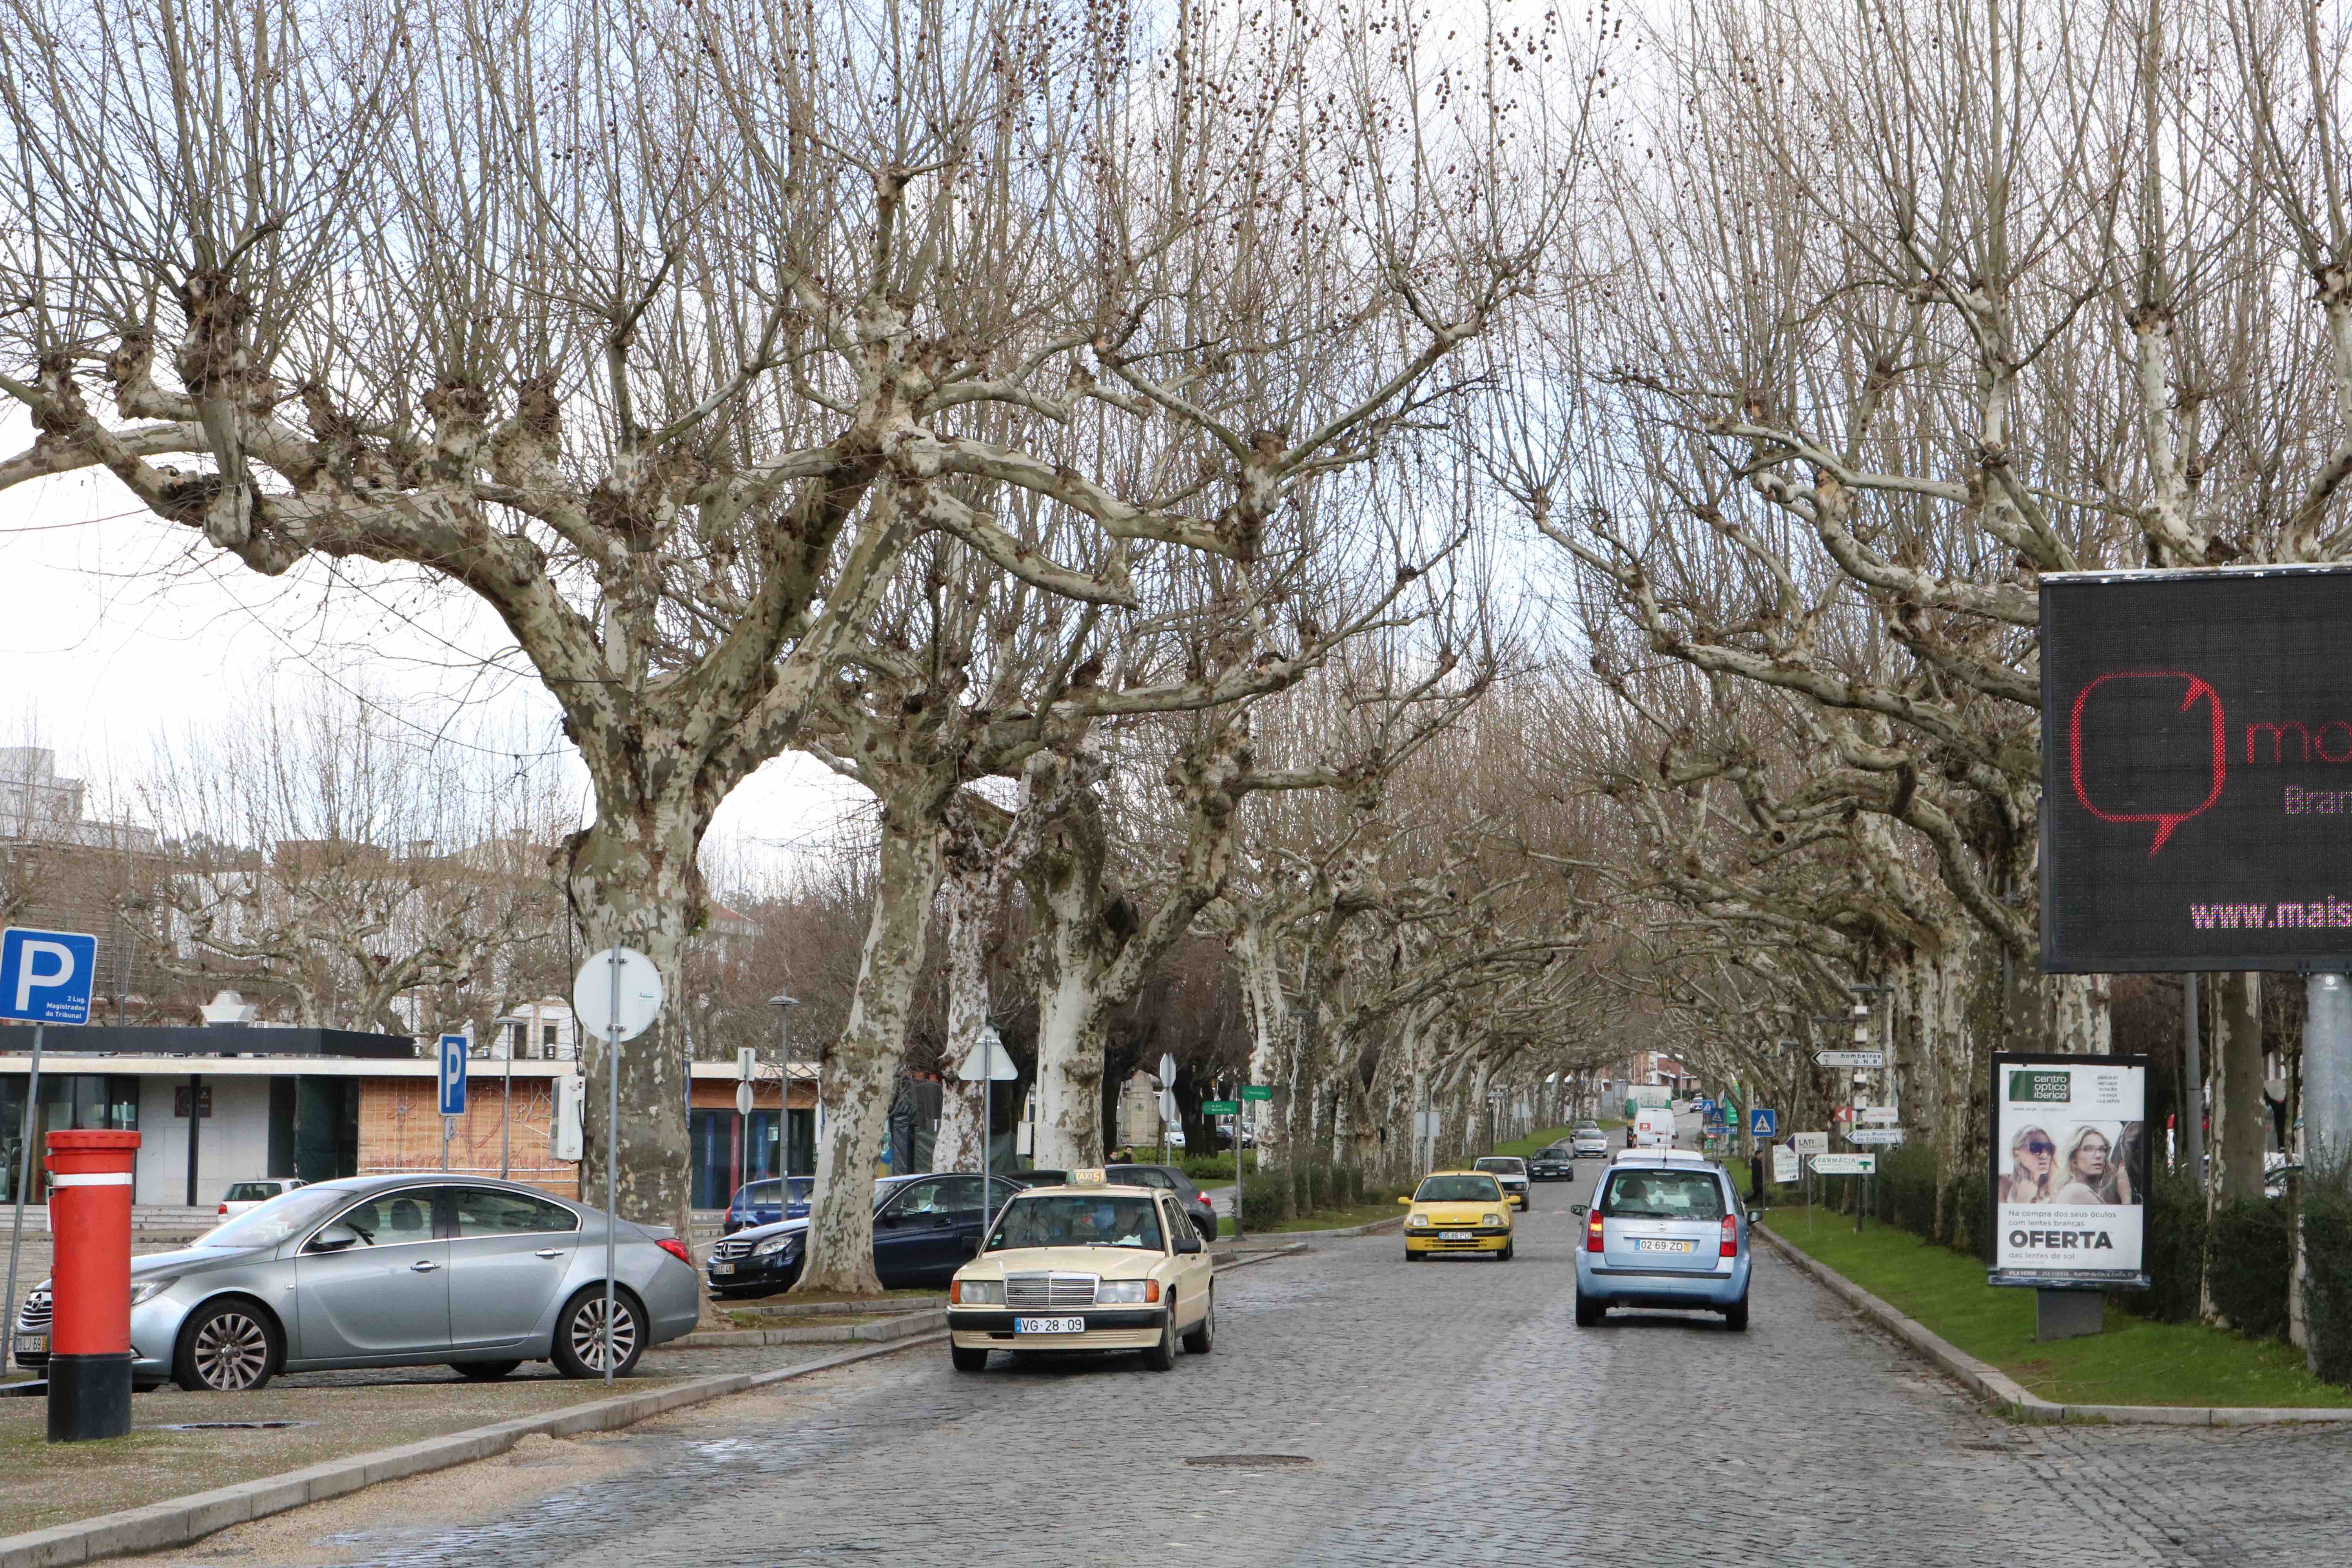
(1458, 1190)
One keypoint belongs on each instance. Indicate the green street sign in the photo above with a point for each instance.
(1257, 1091)
(1221, 1107)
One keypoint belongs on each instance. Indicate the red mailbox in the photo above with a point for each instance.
(89, 1346)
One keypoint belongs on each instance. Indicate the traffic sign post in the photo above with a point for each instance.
(617, 993)
(1257, 1091)
(45, 978)
(986, 1065)
(453, 1090)
(1850, 1058)
(1845, 1164)
(1875, 1135)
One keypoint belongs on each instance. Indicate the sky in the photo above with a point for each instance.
(117, 630)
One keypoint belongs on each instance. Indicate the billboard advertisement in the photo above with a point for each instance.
(2196, 769)
(2070, 1170)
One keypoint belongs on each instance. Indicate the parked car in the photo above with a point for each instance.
(755, 1203)
(397, 1270)
(1169, 1178)
(1552, 1164)
(244, 1195)
(920, 1227)
(1663, 1233)
(1509, 1170)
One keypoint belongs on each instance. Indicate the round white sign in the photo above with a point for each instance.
(742, 1099)
(640, 993)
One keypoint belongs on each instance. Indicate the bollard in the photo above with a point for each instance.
(90, 1345)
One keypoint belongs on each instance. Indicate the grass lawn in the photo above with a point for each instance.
(1526, 1147)
(2133, 1361)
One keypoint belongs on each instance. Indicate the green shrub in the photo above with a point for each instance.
(1907, 1189)
(2249, 1252)
(2328, 1273)
(1262, 1199)
(1347, 1185)
(2173, 1251)
(1208, 1167)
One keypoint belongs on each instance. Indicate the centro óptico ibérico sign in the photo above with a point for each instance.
(2197, 769)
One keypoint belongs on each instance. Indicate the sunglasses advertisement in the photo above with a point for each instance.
(2070, 1163)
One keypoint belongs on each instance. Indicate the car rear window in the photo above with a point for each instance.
(250, 1192)
(1662, 1195)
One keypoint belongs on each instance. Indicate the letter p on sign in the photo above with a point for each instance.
(46, 976)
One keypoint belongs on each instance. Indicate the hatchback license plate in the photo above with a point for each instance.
(1049, 1325)
(1662, 1246)
(1454, 1236)
(36, 1344)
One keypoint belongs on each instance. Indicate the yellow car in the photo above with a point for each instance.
(1084, 1266)
(1457, 1211)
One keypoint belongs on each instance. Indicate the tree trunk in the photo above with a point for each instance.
(966, 896)
(860, 1070)
(2235, 1162)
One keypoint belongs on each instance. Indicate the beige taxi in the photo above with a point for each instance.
(1086, 1267)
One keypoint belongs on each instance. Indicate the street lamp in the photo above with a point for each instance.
(784, 1005)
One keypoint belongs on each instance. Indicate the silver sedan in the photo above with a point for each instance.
(402, 1270)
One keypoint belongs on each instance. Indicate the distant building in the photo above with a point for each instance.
(38, 807)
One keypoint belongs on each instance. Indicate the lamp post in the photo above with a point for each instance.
(784, 1005)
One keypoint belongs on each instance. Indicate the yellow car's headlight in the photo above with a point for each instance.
(1418, 1221)
(1491, 1219)
(1126, 1292)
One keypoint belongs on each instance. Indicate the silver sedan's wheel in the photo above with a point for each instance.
(580, 1334)
(231, 1348)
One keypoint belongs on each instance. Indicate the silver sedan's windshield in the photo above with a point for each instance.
(277, 1219)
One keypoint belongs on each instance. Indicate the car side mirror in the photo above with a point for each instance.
(1406, 1201)
(888, 1219)
(1755, 1214)
(971, 1246)
(1190, 1241)
(334, 1238)
(1578, 1211)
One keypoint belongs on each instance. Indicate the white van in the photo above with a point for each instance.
(1653, 1127)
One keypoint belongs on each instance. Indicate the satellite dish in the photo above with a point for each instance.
(641, 993)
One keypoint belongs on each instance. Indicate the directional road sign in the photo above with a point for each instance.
(453, 1075)
(1875, 1135)
(1257, 1091)
(1221, 1108)
(46, 976)
(1850, 1058)
(1878, 1115)
(1762, 1120)
(1810, 1142)
(1844, 1165)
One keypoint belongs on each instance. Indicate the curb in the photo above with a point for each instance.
(929, 1319)
(181, 1521)
(1377, 1228)
(1998, 1388)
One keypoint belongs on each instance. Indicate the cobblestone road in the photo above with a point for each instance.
(1446, 1412)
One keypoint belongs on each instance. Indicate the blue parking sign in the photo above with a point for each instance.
(46, 976)
(453, 1075)
(1761, 1122)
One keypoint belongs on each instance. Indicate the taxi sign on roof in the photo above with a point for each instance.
(1093, 1177)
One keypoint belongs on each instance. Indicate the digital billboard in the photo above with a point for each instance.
(2197, 769)
(2070, 1163)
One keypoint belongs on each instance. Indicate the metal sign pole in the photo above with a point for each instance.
(612, 1149)
(506, 1113)
(25, 1180)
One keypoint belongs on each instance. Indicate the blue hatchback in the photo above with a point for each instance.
(1665, 1230)
(755, 1204)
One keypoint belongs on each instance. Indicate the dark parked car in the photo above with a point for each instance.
(920, 1227)
(755, 1204)
(1552, 1164)
(1194, 1202)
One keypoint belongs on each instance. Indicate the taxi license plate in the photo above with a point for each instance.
(1455, 1236)
(722, 1268)
(1662, 1246)
(37, 1344)
(1049, 1325)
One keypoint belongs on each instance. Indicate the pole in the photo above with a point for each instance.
(506, 1113)
(195, 1116)
(2192, 1083)
(2326, 1070)
(612, 1145)
(16, 1233)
